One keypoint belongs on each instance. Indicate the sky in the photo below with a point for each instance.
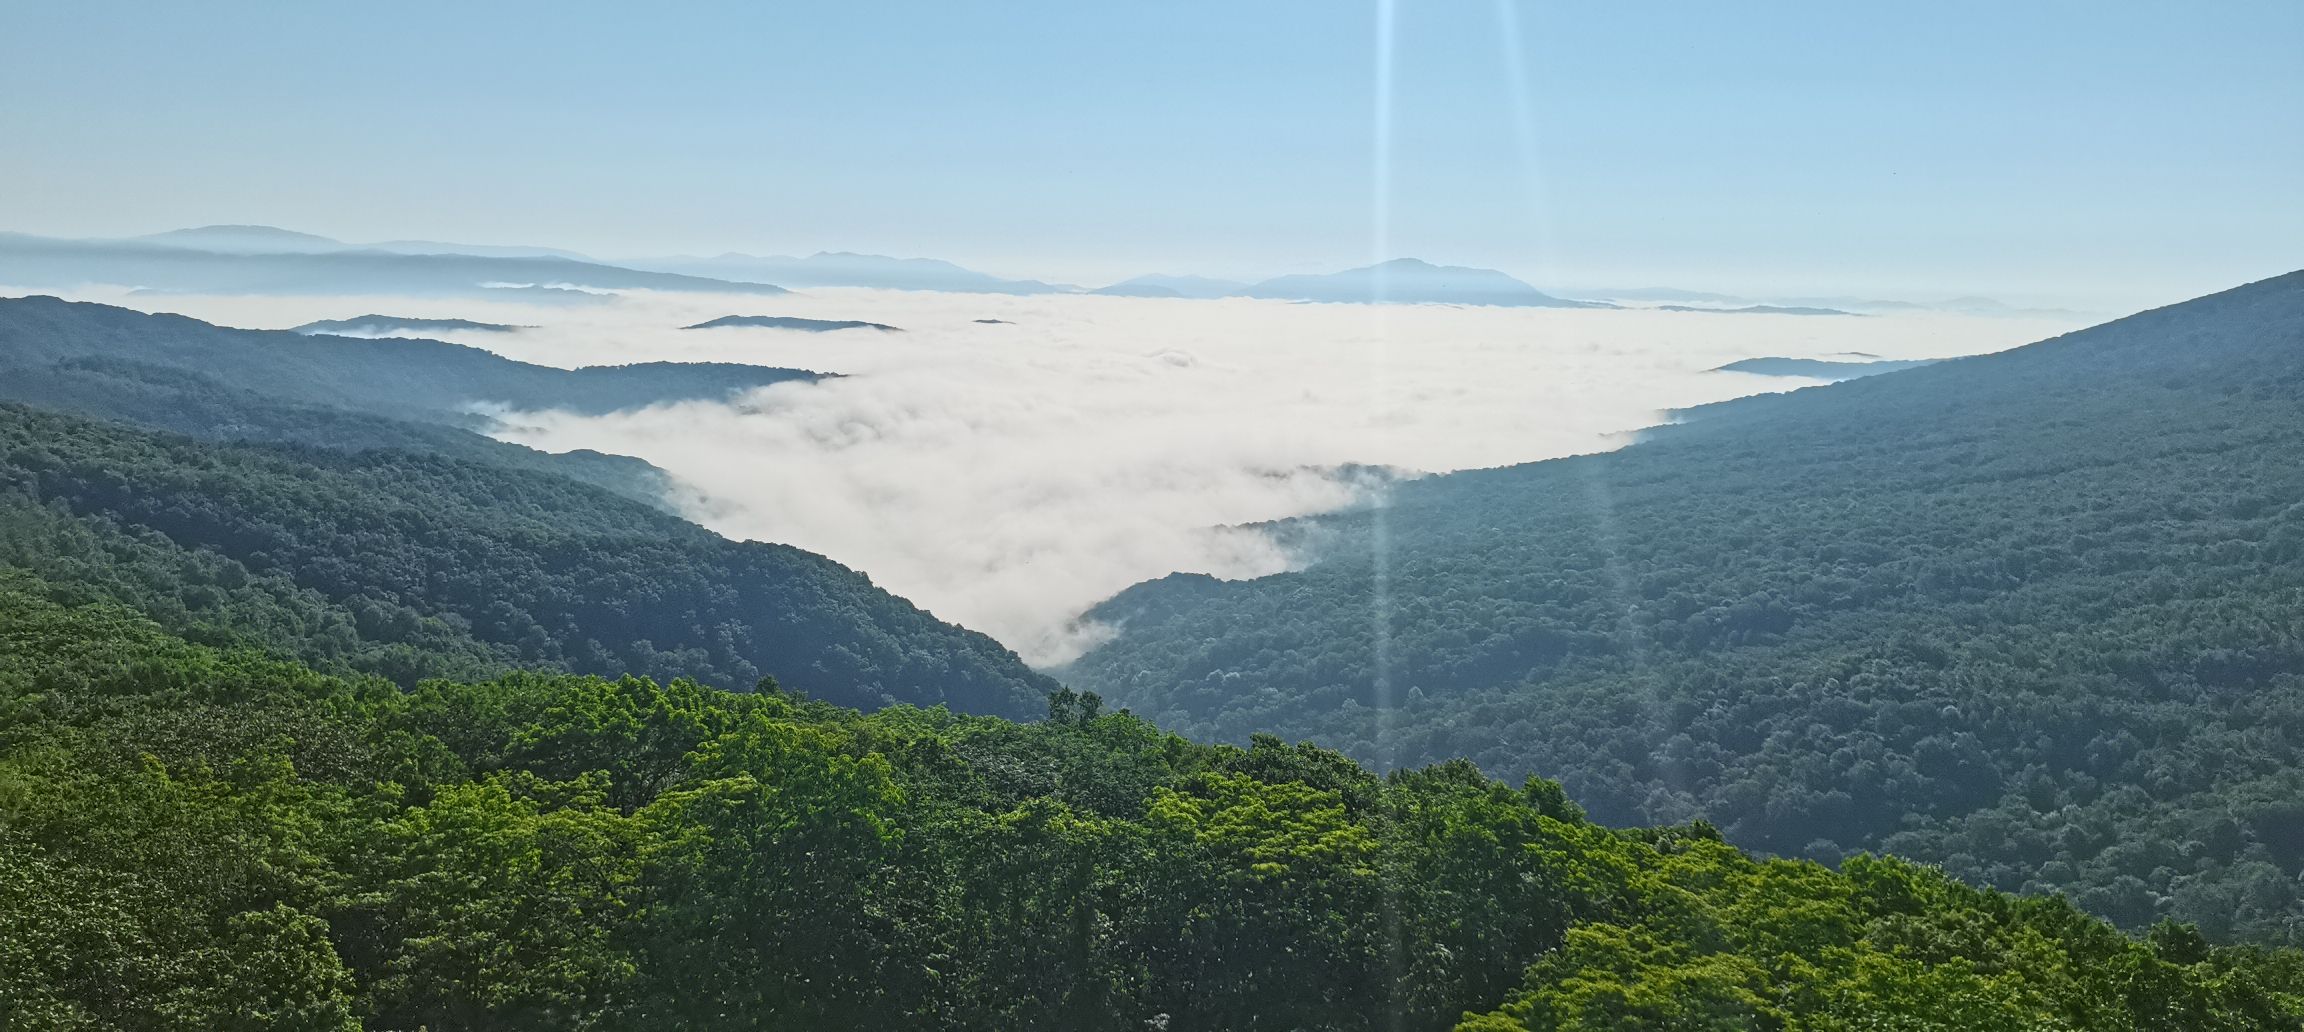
(2107, 155)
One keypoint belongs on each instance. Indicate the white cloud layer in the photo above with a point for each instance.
(1009, 476)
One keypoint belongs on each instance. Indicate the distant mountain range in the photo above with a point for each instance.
(786, 322)
(274, 240)
(847, 269)
(1414, 281)
(263, 260)
(243, 240)
(388, 325)
(1400, 281)
(251, 259)
(1158, 285)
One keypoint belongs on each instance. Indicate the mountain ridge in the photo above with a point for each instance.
(851, 269)
(1165, 285)
(432, 380)
(788, 322)
(1891, 613)
(383, 325)
(54, 263)
(1412, 281)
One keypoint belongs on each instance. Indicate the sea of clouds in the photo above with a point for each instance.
(1007, 476)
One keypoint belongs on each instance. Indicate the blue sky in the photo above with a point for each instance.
(2098, 153)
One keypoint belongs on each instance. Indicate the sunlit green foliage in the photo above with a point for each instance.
(201, 838)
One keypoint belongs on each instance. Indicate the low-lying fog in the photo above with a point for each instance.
(1009, 475)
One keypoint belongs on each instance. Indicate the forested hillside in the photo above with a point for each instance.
(411, 565)
(169, 372)
(337, 509)
(186, 402)
(2036, 616)
(425, 380)
(201, 838)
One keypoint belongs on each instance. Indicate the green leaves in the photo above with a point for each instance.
(195, 838)
(1264, 831)
(497, 905)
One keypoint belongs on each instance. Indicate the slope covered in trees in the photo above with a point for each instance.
(2036, 616)
(185, 402)
(420, 548)
(414, 565)
(196, 837)
(426, 380)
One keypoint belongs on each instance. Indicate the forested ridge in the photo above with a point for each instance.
(170, 372)
(411, 565)
(195, 837)
(406, 378)
(185, 402)
(338, 507)
(2036, 616)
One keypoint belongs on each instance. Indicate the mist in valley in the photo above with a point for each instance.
(1008, 461)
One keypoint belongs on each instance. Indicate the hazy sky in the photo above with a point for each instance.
(2101, 153)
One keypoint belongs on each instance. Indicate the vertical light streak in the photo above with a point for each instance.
(1380, 410)
(1379, 371)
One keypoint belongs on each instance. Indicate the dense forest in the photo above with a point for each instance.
(185, 402)
(195, 837)
(413, 565)
(2037, 617)
(337, 507)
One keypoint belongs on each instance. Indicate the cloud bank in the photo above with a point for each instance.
(1009, 475)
